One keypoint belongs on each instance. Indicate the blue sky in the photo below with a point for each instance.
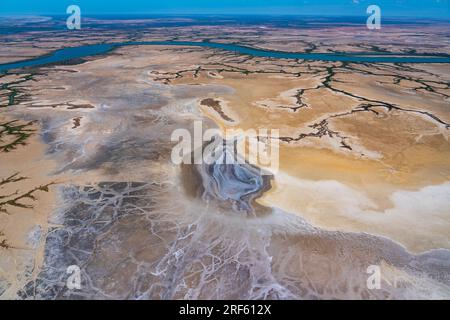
(393, 8)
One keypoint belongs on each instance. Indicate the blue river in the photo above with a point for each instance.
(67, 54)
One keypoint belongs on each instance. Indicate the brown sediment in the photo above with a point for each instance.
(4, 244)
(76, 122)
(215, 104)
(191, 180)
(80, 106)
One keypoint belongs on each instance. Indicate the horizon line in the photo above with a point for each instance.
(350, 15)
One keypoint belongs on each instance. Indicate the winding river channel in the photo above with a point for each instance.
(66, 54)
